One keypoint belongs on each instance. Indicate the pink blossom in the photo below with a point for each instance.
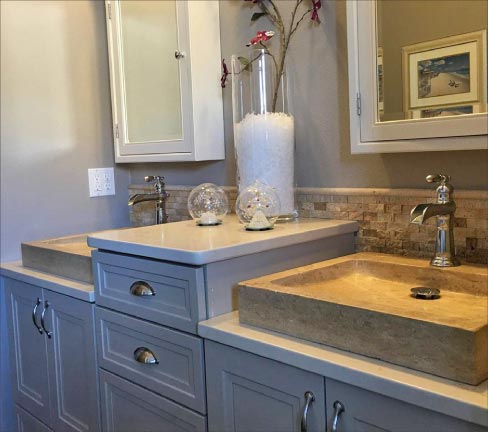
(316, 5)
(261, 36)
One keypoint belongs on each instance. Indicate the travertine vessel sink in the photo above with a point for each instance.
(64, 256)
(362, 303)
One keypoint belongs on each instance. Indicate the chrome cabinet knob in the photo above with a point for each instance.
(142, 289)
(34, 311)
(309, 398)
(179, 55)
(145, 355)
(43, 325)
(338, 410)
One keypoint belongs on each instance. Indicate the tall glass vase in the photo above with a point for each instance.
(264, 130)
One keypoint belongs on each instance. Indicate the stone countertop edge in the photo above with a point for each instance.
(149, 245)
(79, 290)
(462, 401)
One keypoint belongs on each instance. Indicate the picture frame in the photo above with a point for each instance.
(443, 111)
(443, 72)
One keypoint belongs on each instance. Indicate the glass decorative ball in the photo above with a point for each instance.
(208, 204)
(258, 207)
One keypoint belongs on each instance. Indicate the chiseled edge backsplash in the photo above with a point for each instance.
(382, 214)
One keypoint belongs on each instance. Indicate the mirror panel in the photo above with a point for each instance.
(377, 128)
(151, 82)
(430, 58)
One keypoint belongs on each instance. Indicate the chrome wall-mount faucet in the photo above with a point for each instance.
(159, 196)
(444, 210)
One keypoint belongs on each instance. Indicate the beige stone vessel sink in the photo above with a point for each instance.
(362, 303)
(64, 256)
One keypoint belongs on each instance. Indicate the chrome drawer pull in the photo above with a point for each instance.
(142, 289)
(48, 333)
(34, 311)
(309, 398)
(145, 355)
(338, 410)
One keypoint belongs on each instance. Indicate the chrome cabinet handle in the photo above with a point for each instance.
(34, 311)
(309, 398)
(339, 408)
(179, 55)
(48, 333)
(145, 355)
(142, 289)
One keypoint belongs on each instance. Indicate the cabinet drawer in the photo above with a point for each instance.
(179, 371)
(127, 407)
(178, 298)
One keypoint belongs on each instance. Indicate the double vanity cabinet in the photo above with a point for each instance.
(155, 346)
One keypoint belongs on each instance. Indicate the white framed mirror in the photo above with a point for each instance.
(417, 75)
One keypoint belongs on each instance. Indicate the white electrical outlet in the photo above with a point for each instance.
(101, 181)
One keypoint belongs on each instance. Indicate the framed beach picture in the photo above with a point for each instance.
(444, 111)
(445, 71)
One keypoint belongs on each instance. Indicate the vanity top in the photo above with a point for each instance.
(188, 243)
(70, 287)
(466, 402)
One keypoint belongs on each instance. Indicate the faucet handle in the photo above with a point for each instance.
(438, 178)
(158, 182)
(444, 190)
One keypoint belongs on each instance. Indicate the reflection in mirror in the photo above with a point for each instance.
(431, 58)
(151, 73)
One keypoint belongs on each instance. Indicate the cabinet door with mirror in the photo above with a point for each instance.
(165, 80)
(417, 75)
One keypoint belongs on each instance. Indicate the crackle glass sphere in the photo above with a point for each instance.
(208, 204)
(258, 206)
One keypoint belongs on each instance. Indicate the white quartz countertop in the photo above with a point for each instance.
(80, 290)
(469, 403)
(188, 243)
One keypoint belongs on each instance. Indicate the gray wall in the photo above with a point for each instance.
(56, 122)
(319, 65)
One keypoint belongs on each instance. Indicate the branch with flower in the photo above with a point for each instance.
(269, 9)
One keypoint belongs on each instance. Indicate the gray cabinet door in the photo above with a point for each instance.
(28, 354)
(365, 411)
(126, 407)
(72, 363)
(248, 393)
(28, 423)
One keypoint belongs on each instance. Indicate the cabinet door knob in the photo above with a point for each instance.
(179, 55)
(309, 398)
(48, 333)
(142, 289)
(338, 410)
(34, 311)
(145, 355)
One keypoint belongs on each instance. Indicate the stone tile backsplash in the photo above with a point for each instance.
(382, 214)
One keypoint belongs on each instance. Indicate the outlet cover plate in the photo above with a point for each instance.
(101, 181)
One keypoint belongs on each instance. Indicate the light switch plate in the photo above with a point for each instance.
(101, 181)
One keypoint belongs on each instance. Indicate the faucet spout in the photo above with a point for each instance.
(443, 210)
(159, 196)
(138, 198)
(422, 212)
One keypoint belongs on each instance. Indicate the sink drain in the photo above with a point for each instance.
(425, 293)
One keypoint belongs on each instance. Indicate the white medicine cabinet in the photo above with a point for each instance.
(417, 75)
(165, 80)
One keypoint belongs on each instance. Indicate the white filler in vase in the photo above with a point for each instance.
(265, 151)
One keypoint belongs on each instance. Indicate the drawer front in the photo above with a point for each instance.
(178, 371)
(127, 407)
(176, 293)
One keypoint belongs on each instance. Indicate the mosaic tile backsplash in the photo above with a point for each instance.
(382, 214)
